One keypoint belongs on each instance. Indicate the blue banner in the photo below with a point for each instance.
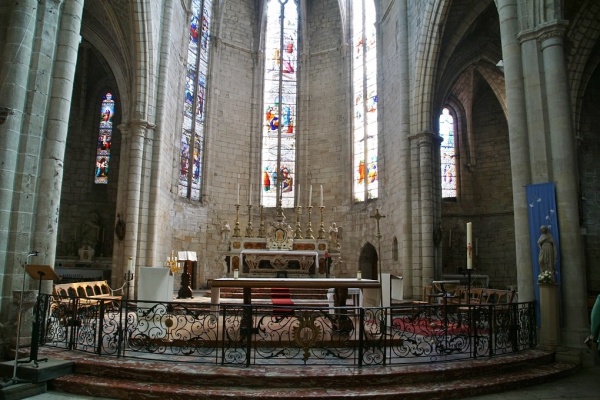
(541, 199)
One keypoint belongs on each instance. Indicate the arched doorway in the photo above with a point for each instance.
(367, 262)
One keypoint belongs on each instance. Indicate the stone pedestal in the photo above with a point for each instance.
(549, 316)
(29, 300)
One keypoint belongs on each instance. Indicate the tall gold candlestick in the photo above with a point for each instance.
(261, 229)
(249, 230)
(321, 227)
(309, 232)
(236, 230)
(298, 233)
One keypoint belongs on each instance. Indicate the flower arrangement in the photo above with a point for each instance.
(547, 277)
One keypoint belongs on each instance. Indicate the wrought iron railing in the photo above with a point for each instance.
(267, 334)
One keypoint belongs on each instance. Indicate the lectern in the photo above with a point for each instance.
(40, 273)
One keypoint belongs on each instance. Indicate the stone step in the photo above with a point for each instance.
(128, 379)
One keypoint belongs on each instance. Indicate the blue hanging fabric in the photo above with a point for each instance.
(541, 200)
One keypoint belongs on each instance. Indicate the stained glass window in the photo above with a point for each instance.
(107, 111)
(279, 117)
(364, 83)
(447, 155)
(194, 103)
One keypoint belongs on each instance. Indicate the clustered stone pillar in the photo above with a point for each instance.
(564, 174)
(14, 72)
(518, 138)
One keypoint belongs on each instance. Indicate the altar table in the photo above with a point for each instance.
(340, 285)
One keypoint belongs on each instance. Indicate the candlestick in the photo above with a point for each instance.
(298, 233)
(321, 195)
(261, 229)
(236, 229)
(249, 229)
(309, 232)
(469, 246)
(321, 227)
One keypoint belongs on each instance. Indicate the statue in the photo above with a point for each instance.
(225, 231)
(334, 243)
(547, 248)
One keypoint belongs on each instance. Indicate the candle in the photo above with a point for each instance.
(310, 196)
(238, 194)
(236, 274)
(358, 275)
(298, 198)
(469, 246)
(130, 264)
(476, 246)
(250, 196)
(321, 195)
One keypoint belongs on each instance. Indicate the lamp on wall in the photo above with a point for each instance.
(4, 113)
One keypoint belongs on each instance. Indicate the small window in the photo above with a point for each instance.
(107, 111)
(448, 155)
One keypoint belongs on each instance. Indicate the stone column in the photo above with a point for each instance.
(53, 152)
(519, 148)
(135, 158)
(564, 173)
(405, 234)
(425, 153)
(14, 73)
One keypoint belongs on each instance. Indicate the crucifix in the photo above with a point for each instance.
(377, 217)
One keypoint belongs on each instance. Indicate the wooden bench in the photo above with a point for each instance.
(93, 290)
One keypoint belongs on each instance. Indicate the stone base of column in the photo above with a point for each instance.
(550, 329)
(26, 317)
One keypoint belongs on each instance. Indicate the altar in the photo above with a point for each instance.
(278, 250)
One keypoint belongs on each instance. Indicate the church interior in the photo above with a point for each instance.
(303, 139)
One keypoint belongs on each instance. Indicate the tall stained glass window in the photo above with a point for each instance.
(279, 99)
(194, 103)
(447, 155)
(107, 111)
(364, 83)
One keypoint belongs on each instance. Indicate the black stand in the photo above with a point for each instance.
(41, 273)
(469, 285)
(185, 291)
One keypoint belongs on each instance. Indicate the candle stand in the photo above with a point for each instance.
(298, 233)
(236, 230)
(261, 229)
(321, 228)
(249, 230)
(309, 231)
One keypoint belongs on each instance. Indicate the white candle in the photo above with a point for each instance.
(236, 273)
(321, 195)
(238, 194)
(250, 196)
(310, 196)
(469, 245)
(358, 275)
(130, 264)
(298, 198)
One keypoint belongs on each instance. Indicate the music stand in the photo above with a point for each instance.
(40, 273)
